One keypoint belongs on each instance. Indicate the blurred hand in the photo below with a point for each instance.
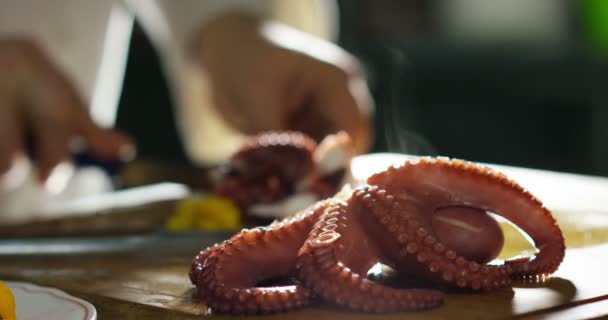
(267, 76)
(37, 101)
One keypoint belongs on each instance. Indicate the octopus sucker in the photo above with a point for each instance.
(274, 174)
(217, 271)
(426, 218)
(344, 269)
(442, 267)
(477, 188)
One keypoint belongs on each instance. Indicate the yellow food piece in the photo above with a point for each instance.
(210, 213)
(7, 303)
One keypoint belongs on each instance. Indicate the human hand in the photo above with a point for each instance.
(38, 101)
(267, 76)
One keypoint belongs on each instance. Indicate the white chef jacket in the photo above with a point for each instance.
(89, 40)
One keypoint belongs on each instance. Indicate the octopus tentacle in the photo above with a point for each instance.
(336, 257)
(199, 261)
(276, 173)
(427, 218)
(268, 253)
(440, 183)
(416, 249)
(266, 166)
(276, 151)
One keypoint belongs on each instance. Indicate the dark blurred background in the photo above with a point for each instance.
(521, 84)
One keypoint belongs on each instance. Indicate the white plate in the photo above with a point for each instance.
(36, 302)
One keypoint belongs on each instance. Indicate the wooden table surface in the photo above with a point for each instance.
(150, 281)
(134, 286)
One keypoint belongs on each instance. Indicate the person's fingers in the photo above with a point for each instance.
(259, 111)
(332, 105)
(266, 110)
(53, 100)
(52, 109)
(10, 132)
(341, 113)
(51, 148)
(363, 108)
(229, 113)
(280, 86)
(107, 143)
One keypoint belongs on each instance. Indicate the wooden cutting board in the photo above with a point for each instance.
(151, 283)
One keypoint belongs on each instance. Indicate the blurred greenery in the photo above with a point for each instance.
(594, 15)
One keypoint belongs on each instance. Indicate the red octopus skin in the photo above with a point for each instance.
(335, 259)
(266, 167)
(471, 232)
(271, 166)
(430, 184)
(389, 220)
(289, 154)
(266, 252)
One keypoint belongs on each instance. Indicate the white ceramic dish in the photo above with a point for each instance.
(36, 302)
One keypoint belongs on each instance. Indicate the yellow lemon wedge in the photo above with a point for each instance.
(7, 303)
(210, 213)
